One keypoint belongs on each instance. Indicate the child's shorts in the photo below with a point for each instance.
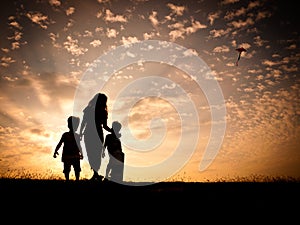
(72, 162)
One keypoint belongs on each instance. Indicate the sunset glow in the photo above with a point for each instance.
(169, 71)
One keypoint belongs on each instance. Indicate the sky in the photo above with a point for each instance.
(189, 109)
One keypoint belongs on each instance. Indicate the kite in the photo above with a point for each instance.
(240, 50)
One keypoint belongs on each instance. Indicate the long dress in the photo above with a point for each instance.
(93, 135)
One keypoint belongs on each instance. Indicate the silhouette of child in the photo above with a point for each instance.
(113, 145)
(72, 152)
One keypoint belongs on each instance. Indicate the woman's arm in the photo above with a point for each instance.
(107, 128)
(104, 123)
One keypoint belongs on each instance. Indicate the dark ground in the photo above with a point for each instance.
(273, 201)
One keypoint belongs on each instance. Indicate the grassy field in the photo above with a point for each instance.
(207, 191)
(264, 200)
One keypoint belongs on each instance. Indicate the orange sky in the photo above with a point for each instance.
(168, 68)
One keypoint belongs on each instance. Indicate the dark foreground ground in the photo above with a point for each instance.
(270, 200)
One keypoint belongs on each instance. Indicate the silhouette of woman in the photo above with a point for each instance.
(94, 120)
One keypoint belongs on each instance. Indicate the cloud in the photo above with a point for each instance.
(259, 42)
(70, 11)
(129, 40)
(269, 63)
(196, 25)
(226, 2)
(177, 10)
(241, 23)
(175, 34)
(178, 29)
(149, 108)
(222, 48)
(150, 35)
(263, 15)
(110, 17)
(242, 11)
(237, 13)
(15, 45)
(15, 24)
(95, 43)
(39, 132)
(292, 47)
(6, 61)
(219, 33)
(111, 33)
(39, 18)
(103, 1)
(71, 45)
(213, 16)
(190, 52)
(55, 3)
(6, 50)
(153, 19)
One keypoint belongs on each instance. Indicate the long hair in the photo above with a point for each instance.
(99, 100)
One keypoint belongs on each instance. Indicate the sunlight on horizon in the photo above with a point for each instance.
(189, 111)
